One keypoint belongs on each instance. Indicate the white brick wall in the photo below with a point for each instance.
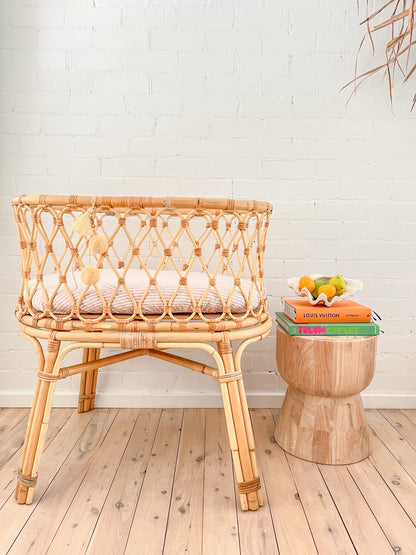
(230, 98)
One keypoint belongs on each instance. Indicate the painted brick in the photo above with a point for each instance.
(39, 144)
(209, 147)
(94, 59)
(218, 188)
(132, 166)
(210, 105)
(266, 148)
(121, 39)
(151, 61)
(163, 185)
(234, 41)
(289, 169)
(195, 17)
(13, 163)
(166, 104)
(97, 104)
(178, 83)
(69, 124)
(237, 83)
(239, 167)
(5, 17)
(258, 64)
(264, 106)
(178, 166)
(44, 102)
(9, 144)
(184, 127)
(65, 38)
(285, 41)
(29, 16)
(122, 82)
(265, 18)
(236, 127)
(102, 146)
(156, 146)
(140, 17)
(206, 62)
(176, 39)
(127, 126)
(19, 38)
(72, 165)
(83, 16)
(19, 123)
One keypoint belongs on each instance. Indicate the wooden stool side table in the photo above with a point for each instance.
(322, 418)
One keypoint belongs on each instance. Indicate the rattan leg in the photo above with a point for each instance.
(88, 382)
(37, 426)
(239, 430)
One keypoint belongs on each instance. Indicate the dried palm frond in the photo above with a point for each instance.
(399, 15)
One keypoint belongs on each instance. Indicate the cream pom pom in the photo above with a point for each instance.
(82, 224)
(98, 244)
(90, 275)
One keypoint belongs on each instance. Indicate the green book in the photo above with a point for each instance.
(324, 328)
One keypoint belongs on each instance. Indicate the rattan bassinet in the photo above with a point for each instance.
(176, 273)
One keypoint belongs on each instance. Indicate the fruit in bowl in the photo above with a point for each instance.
(326, 289)
(335, 286)
(318, 283)
(339, 283)
(307, 281)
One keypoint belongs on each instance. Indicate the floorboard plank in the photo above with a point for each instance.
(402, 425)
(397, 479)
(184, 530)
(149, 523)
(397, 445)
(86, 506)
(292, 529)
(9, 418)
(8, 474)
(256, 529)
(220, 515)
(12, 440)
(364, 530)
(120, 504)
(44, 522)
(13, 517)
(411, 415)
(327, 528)
(395, 523)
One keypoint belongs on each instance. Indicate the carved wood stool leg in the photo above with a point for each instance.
(88, 381)
(37, 425)
(240, 431)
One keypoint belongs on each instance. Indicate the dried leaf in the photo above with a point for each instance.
(399, 15)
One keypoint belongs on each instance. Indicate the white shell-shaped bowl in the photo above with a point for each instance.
(352, 286)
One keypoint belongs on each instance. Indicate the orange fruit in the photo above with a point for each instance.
(328, 289)
(306, 281)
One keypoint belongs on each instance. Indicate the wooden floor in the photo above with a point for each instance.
(151, 481)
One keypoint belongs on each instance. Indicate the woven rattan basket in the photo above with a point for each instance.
(177, 273)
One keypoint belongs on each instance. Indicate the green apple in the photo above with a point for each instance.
(318, 284)
(339, 282)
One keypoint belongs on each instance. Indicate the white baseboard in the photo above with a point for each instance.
(255, 400)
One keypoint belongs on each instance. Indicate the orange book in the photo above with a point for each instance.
(301, 311)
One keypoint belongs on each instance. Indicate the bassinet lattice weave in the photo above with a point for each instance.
(176, 272)
(156, 236)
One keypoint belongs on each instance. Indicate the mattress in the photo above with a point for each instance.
(181, 298)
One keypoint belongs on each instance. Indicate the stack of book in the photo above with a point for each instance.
(345, 317)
